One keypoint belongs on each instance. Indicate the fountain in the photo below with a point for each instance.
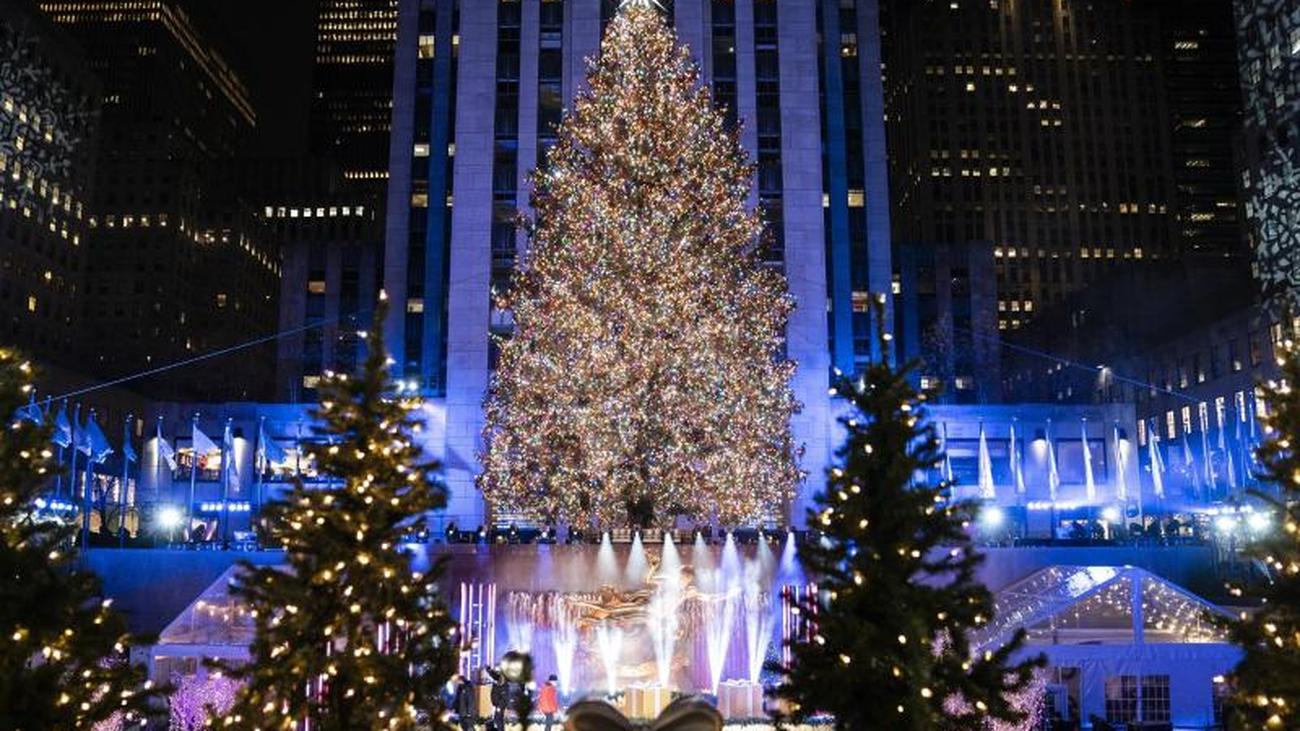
(609, 640)
(637, 567)
(607, 563)
(648, 621)
(720, 610)
(564, 639)
(663, 617)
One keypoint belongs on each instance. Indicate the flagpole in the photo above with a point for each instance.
(121, 495)
(72, 471)
(225, 486)
(58, 479)
(85, 516)
(157, 457)
(258, 454)
(194, 474)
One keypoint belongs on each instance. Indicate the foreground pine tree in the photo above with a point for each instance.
(645, 378)
(896, 573)
(63, 652)
(348, 637)
(1267, 682)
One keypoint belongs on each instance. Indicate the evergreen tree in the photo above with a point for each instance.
(645, 378)
(63, 656)
(897, 595)
(348, 636)
(1267, 682)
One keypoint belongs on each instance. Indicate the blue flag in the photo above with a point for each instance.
(63, 427)
(267, 449)
(92, 442)
(31, 412)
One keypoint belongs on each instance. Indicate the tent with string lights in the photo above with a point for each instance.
(1122, 644)
(215, 625)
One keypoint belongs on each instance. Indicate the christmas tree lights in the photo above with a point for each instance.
(896, 598)
(645, 378)
(63, 652)
(1267, 682)
(348, 636)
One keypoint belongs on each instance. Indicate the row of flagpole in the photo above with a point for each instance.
(88, 440)
(1156, 463)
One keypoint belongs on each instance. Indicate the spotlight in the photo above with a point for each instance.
(170, 518)
(1258, 522)
(1110, 514)
(992, 517)
(1225, 524)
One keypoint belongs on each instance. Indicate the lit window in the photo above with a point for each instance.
(426, 46)
(422, 149)
(31, 303)
(415, 305)
(856, 198)
(316, 286)
(221, 299)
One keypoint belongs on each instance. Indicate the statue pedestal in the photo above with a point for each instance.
(740, 699)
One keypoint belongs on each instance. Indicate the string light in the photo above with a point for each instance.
(645, 378)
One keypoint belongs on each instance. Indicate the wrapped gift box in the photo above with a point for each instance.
(740, 699)
(647, 701)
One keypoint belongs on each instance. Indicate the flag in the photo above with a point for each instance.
(228, 454)
(1157, 464)
(31, 412)
(127, 450)
(1053, 475)
(1089, 483)
(1017, 469)
(987, 491)
(62, 428)
(200, 441)
(1121, 478)
(92, 442)
(947, 460)
(165, 451)
(1189, 463)
(267, 450)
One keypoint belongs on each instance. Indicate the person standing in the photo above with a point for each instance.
(548, 701)
(500, 697)
(465, 703)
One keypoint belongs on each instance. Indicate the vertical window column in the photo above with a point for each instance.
(767, 74)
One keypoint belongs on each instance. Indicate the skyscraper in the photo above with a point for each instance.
(353, 86)
(1269, 36)
(1070, 137)
(49, 114)
(177, 265)
(479, 88)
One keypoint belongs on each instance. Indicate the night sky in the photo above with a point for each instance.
(271, 45)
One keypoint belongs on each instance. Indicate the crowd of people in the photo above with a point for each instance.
(508, 699)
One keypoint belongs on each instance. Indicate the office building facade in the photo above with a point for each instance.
(1072, 137)
(177, 263)
(1268, 33)
(478, 90)
(49, 121)
(352, 87)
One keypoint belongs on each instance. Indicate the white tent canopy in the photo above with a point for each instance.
(1122, 644)
(215, 625)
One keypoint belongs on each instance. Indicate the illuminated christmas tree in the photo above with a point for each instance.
(645, 378)
(898, 600)
(63, 657)
(1267, 682)
(348, 636)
